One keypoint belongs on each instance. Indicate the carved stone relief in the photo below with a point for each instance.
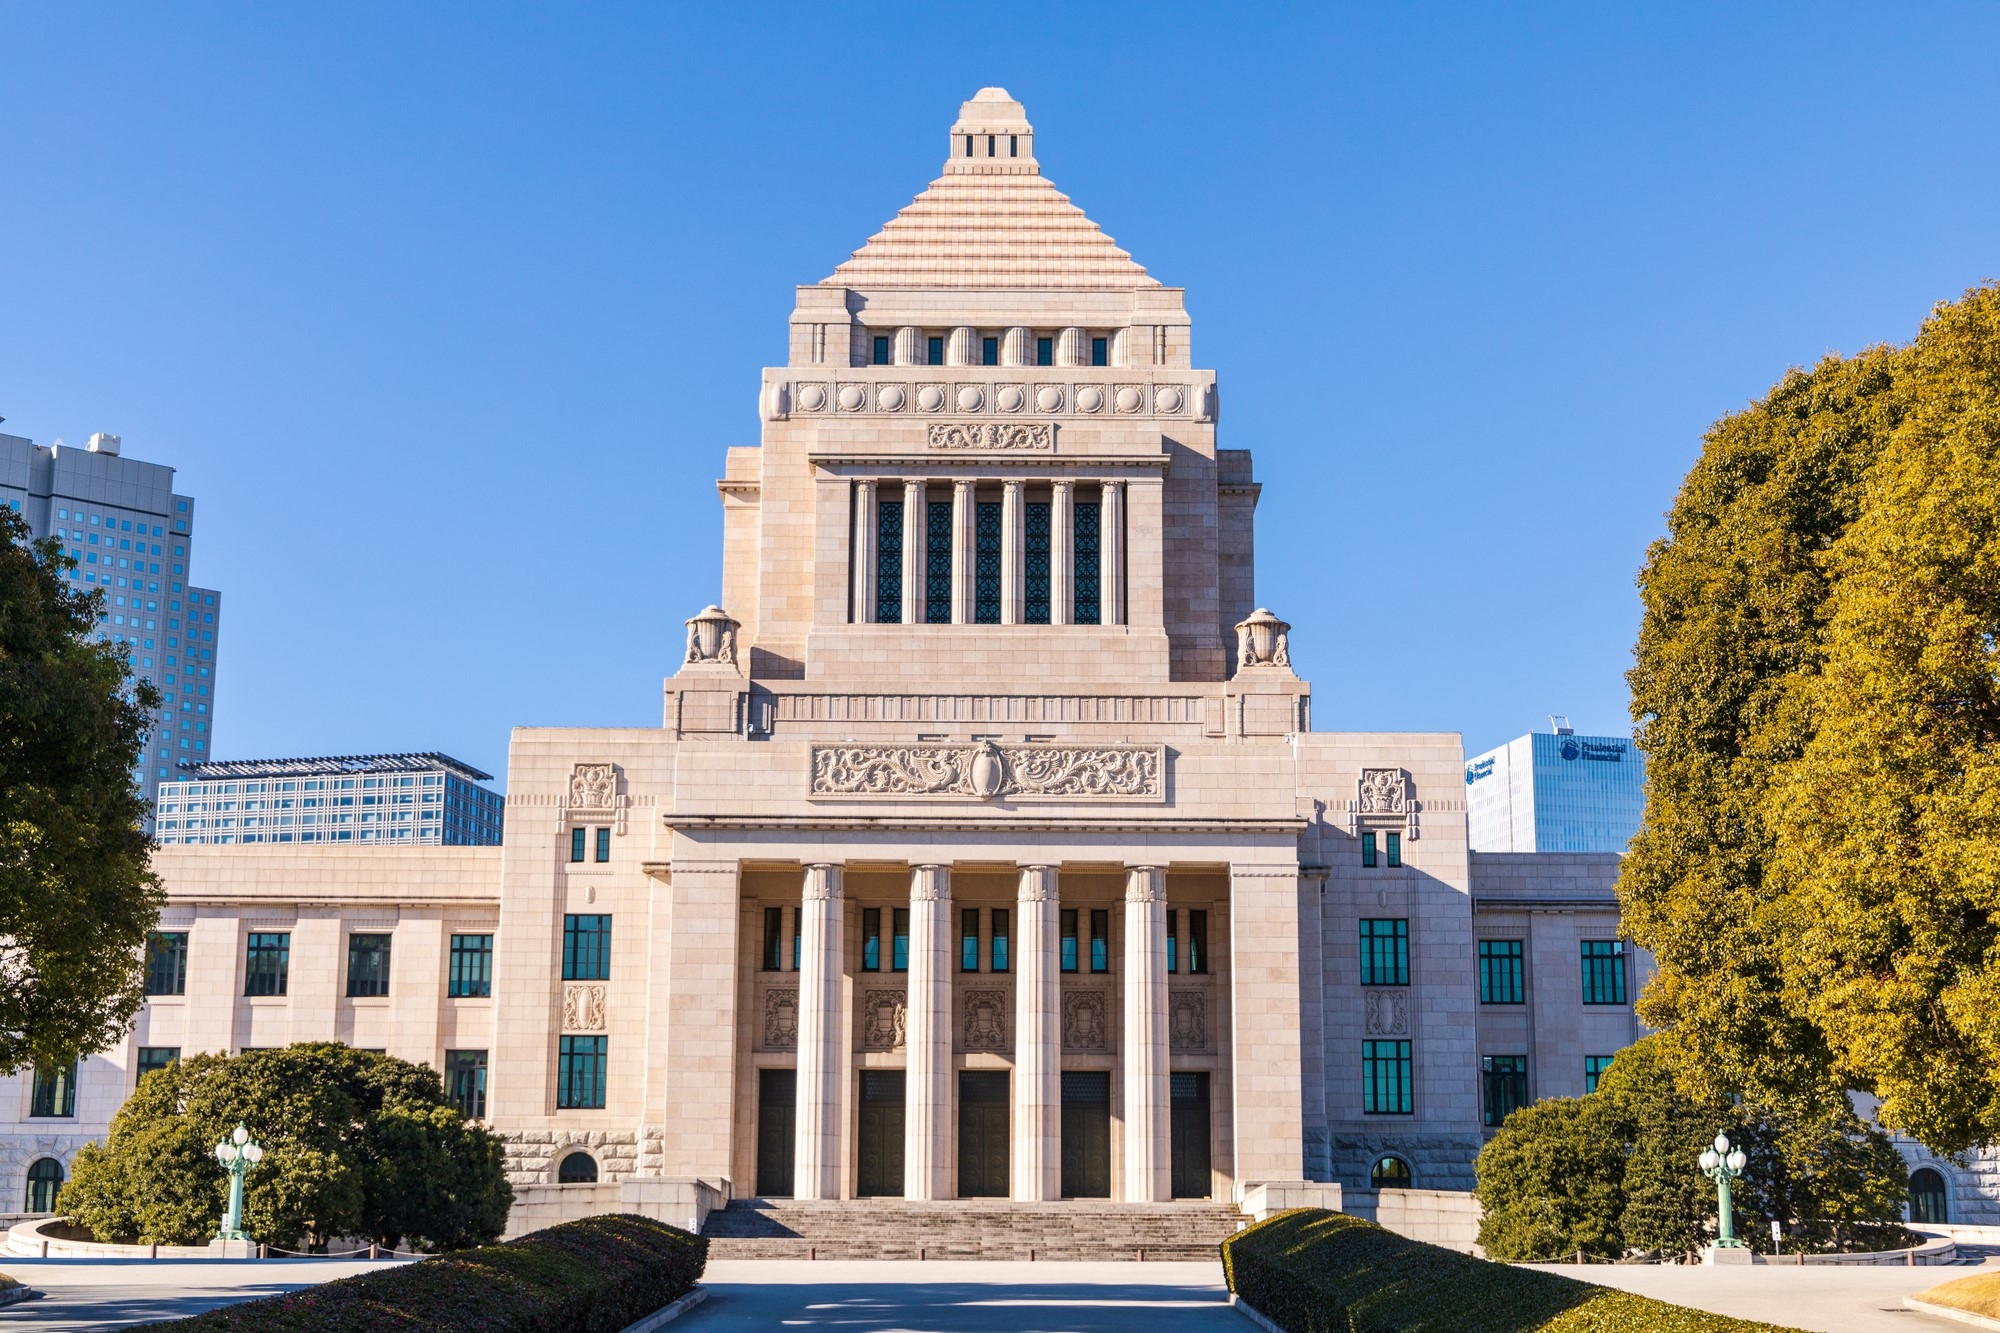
(1383, 792)
(711, 636)
(1086, 1021)
(593, 786)
(1187, 1020)
(885, 1020)
(1387, 1013)
(1263, 640)
(985, 1026)
(583, 1008)
(986, 771)
(992, 435)
(781, 1019)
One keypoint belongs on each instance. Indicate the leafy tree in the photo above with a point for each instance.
(76, 896)
(1815, 683)
(1616, 1170)
(355, 1144)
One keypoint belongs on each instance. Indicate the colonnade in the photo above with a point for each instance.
(818, 1171)
(914, 495)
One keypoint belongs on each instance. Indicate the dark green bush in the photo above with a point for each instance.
(1312, 1271)
(591, 1276)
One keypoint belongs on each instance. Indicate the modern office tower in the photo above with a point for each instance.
(1556, 791)
(132, 537)
(403, 798)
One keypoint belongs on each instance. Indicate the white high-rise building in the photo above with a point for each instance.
(132, 537)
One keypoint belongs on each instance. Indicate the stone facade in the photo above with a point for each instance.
(985, 846)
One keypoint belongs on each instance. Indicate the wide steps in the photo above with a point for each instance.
(967, 1229)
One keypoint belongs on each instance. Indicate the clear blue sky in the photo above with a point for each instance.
(446, 313)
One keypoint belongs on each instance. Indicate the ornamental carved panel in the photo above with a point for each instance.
(885, 1020)
(1384, 795)
(1187, 1020)
(1086, 1021)
(781, 1019)
(583, 1008)
(985, 1025)
(987, 771)
(1015, 435)
(1387, 1013)
(593, 786)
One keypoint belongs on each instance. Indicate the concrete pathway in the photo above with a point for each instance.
(905, 1296)
(112, 1293)
(1825, 1298)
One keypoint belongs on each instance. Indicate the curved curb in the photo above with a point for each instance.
(667, 1314)
(1251, 1312)
(1946, 1312)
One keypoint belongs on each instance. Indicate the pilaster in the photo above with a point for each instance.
(817, 1172)
(1148, 1161)
(1037, 1037)
(1264, 975)
(927, 1082)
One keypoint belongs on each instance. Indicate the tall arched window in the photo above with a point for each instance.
(1391, 1173)
(1928, 1200)
(45, 1178)
(579, 1168)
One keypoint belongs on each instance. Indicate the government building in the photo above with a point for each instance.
(987, 847)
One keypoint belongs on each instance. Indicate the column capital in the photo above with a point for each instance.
(1012, 486)
(1063, 484)
(930, 884)
(1145, 884)
(1039, 884)
(822, 882)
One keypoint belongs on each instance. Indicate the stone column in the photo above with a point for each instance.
(913, 553)
(909, 346)
(1148, 1163)
(816, 1156)
(1037, 1037)
(1265, 1055)
(1013, 553)
(962, 515)
(865, 537)
(1062, 553)
(961, 347)
(1073, 348)
(1111, 554)
(1017, 347)
(927, 1059)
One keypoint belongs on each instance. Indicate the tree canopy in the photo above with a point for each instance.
(76, 896)
(1817, 689)
(355, 1144)
(1616, 1170)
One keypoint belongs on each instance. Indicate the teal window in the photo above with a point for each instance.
(1604, 971)
(871, 939)
(889, 562)
(1100, 941)
(989, 348)
(1002, 922)
(1368, 851)
(1069, 939)
(1504, 1084)
(155, 1057)
(368, 965)
(267, 963)
(54, 1092)
(604, 844)
(1390, 1173)
(578, 1168)
(1394, 847)
(465, 1082)
(586, 948)
(580, 1074)
(1035, 562)
(1385, 1078)
(1173, 939)
(1593, 1069)
(45, 1181)
(1198, 942)
(471, 967)
(576, 836)
(1385, 952)
(1500, 974)
(899, 941)
(774, 938)
(166, 962)
(1929, 1201)
(968, 940)
(937, 562)
(1087, 545)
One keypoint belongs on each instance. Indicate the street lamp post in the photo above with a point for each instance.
(237, 1153)
(1722, 1165)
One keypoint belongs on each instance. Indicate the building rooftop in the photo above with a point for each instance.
(334, 764)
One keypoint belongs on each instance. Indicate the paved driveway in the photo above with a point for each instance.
(904, 1296)
(1826, 1298)
(112, 1293)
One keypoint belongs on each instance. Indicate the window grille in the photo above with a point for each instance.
(1385, 1078)
(937, 562)
(1035, 565)
(586, 948)
(471, 966)
(1505, 1080)
(267, 963)
(1500, 972)
(986, 544)
(889, 562)
(1088, 584)
(1603, 971)
(580, 1074)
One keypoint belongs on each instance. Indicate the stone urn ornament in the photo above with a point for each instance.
(711, 637)
(1261, 640)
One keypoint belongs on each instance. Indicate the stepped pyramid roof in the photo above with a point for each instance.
(992, 220)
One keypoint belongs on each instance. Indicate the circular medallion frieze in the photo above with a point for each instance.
(852, 396)
(1010, 398)
(1049, 399)
(890, 398)
(971, 398)
(1089, 398)
(1167, 398)
(930, 398)
(1129, 399)
(812, 397)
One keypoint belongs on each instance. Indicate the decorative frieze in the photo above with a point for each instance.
(986, 771)
(1187, 1020)
(992, 435)
(583, 1008)
(896, 397)
(1386, 1012)
(781, 1019)
(1086, 1021)
(985, 1020)
(885, 1020)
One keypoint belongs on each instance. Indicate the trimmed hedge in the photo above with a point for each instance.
(595, 1275)
(1312, 1271)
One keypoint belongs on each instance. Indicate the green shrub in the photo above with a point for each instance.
(595, 1275)
(1312, 1271)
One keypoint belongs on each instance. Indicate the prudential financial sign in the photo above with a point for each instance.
(1604, 752)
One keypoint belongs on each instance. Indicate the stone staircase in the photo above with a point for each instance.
(968, 1229)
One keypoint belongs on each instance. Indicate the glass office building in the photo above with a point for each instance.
(1556, 792)
(401, 798)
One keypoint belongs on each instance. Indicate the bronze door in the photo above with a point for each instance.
(881, 1140)
(777, 1101)
(1190, 1135)
(982, 1134)
(1086, 1135)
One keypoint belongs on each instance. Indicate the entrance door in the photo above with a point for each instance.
(1190, 1117)
(777, 1100)
(1086, 1135)
(982, 1134)
(881, 1146)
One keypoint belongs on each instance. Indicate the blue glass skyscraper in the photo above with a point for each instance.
(1556, 792)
